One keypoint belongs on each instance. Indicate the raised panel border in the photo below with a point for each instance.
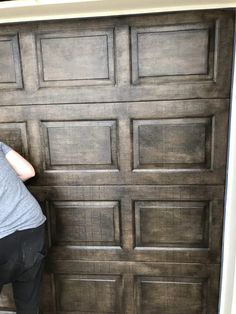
(18, 83)
(54, 206)
(112, 124)
(123, 90)
(171, 280)
(216, 109)
(210, 27)
(22, 149)
(114, 279)
(190, 205)
(127, 196)
(130, 273)
(208, 122)
(107, 32)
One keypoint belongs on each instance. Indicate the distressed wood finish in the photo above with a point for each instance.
(10, 73)
(197, 67)
(161, 142)
(89, 61)
(125, 120)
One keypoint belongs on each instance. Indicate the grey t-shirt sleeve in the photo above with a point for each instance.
(5, 148)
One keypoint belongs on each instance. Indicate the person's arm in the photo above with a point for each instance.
(21, 166)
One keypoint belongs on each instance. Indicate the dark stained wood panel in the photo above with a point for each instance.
(198, 243)
(125, 120)
(90, 139)
(48, 293)
(186, 41)
(182, 294)
(173, 143)
(10, 62)
(181, 52)
(80, 144)
(76, 58)
(7, 73)
(197, 58)
(14, 134)
(172, 224)
(201, 281)
(88, 294)
(85, 223)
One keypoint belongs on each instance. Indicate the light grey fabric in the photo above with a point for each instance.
(19, 209)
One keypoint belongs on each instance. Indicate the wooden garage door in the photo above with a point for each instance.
(125, 120)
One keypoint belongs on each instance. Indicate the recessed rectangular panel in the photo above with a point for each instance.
(171, 295)
(80, 144)
(72, 64)
(174, 52)
(76, 58)
(15, 135)
(7, 73)
(88, 294)
(152, 223)
(10, 63)
(172, 224)
(172, 143)
(86, 223)
(156, 48)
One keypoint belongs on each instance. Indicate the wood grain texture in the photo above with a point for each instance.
(209, 230)
(80, 144)
(172, 295)
(205, 61)
(15, 135)
(125, 120)
(10, 62)
(172, 224)
(173, 53)
(173, 143)
(88, 294)
(104, 137)
(89, 60)
(85, 223)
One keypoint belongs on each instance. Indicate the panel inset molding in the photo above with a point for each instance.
(10, 62)
(85, 223)
(172, 224)
(88, 294)
(182, 52)
(75, 58)
(80, 145)
(171, 295)
(173, 143)
(15, 135)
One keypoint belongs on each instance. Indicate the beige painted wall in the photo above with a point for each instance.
(31, 10)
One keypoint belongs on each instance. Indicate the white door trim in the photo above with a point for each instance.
(228, 283)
